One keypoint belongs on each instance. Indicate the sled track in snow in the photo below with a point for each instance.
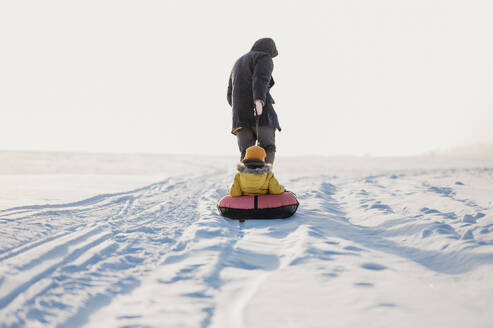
(92, 249)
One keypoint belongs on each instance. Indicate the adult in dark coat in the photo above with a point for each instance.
(248, 94)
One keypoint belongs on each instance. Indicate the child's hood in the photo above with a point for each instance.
(242, 168)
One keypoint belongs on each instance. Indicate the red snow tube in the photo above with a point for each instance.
(258, 207)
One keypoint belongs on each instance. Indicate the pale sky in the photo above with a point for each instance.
(352, 77)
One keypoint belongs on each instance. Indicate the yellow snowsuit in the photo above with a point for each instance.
(258, 181)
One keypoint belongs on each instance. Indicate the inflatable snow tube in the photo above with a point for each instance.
(268, 206)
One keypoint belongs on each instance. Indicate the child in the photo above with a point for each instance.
(254, 176)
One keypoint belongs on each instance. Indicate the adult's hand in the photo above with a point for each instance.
(258, 107)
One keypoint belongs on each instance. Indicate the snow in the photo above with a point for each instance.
(101, 240)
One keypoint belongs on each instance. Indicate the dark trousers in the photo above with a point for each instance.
(266, 138)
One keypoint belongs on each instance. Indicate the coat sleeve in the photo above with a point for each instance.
(274, 186)
(230, 90)
(235, 189)
(261, 78)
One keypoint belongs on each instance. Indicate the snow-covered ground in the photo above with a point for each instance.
(101, 240)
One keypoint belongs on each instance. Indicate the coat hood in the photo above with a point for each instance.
(256, 171)
(266, 45)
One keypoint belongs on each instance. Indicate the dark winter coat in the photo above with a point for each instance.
(251, 79)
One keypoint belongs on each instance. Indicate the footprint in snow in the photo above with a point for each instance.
(427, 210)
(449, 215)
(468, 218)
(442, 229)
(443, 191)
(364, 284)
(390, 305)
(373, 266)
(353, 248)
(382, 207)
(468, 235)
